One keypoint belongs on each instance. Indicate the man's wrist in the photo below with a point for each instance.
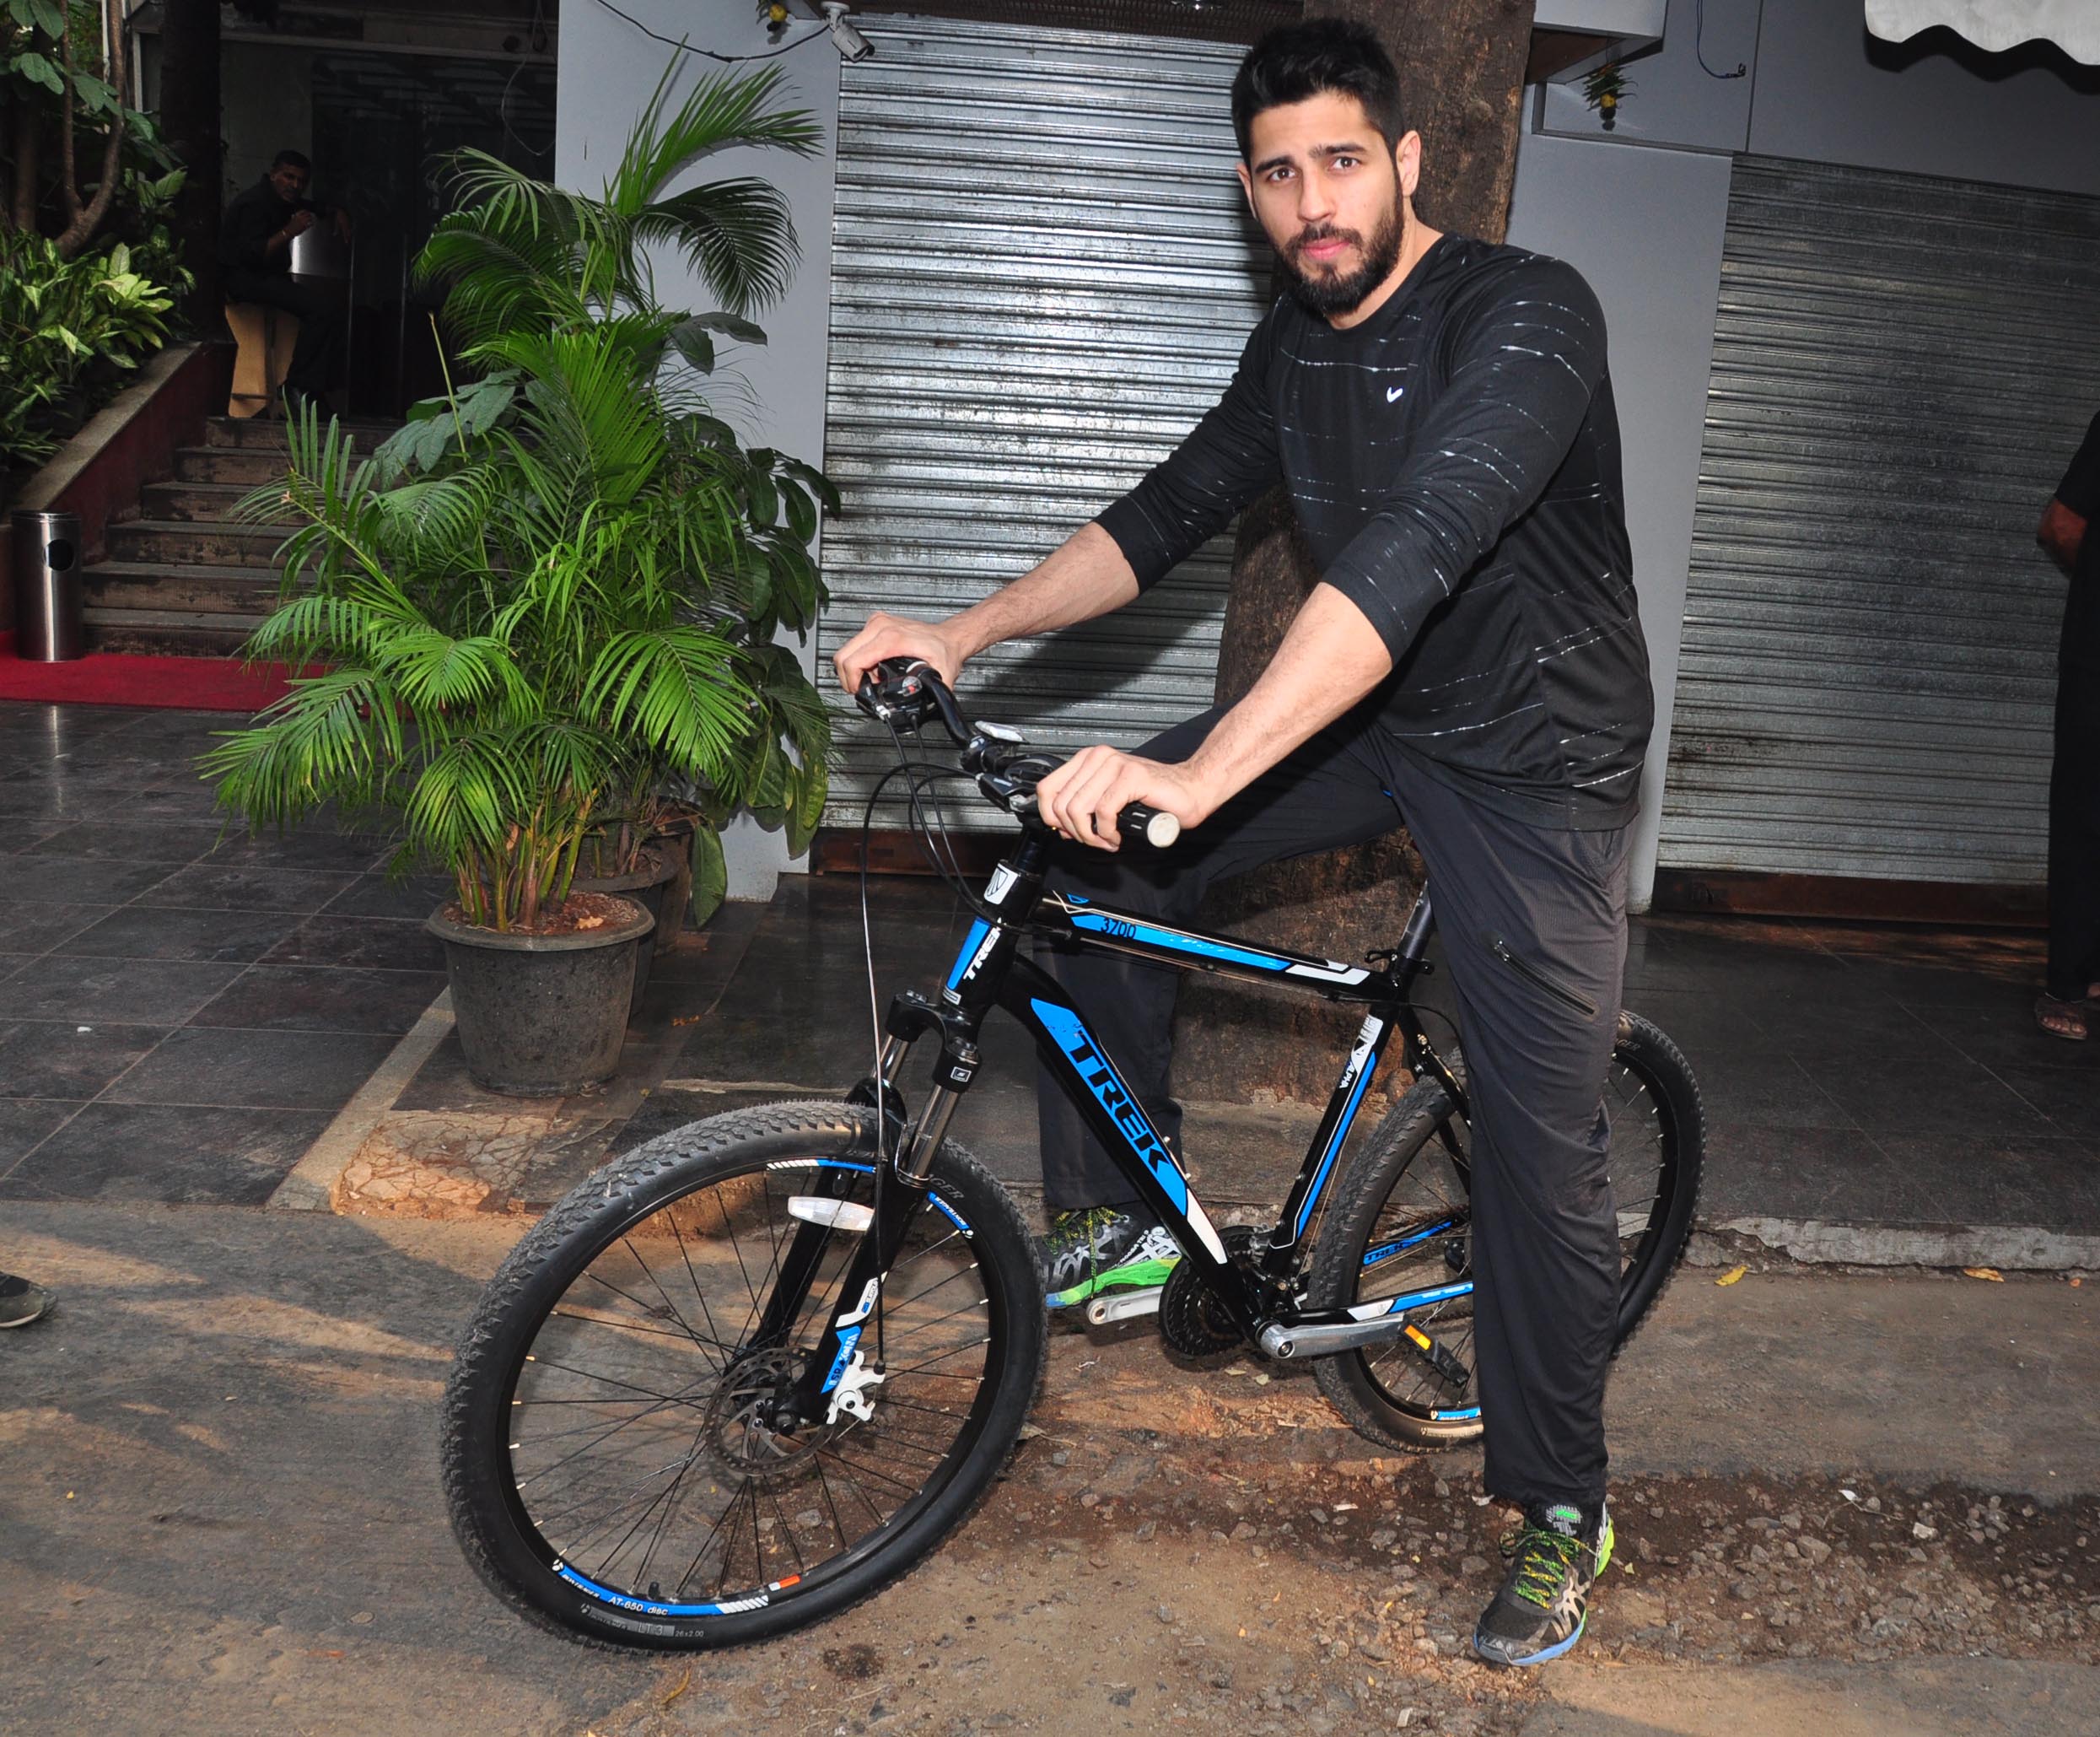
(1204, 784)
(962, 641)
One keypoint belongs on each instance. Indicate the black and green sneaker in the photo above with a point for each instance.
(21, 1301)
(1544, 1603)
(1103, 1248)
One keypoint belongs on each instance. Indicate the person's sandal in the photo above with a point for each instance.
(2060, 1018)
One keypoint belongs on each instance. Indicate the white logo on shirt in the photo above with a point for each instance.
(1392, 392)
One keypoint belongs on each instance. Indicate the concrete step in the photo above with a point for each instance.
(165, 543)
(248, 468)
(171, 633)
(192, 502)
(119, 586)
(257, 433)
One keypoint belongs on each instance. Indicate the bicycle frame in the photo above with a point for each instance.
(990, 972)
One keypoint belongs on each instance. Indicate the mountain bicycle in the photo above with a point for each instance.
(753, 1371)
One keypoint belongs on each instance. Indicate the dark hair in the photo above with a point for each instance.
(1296, 62)
(295, 159)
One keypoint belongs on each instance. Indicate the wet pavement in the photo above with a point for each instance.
(185, 1015)
(183, 1009)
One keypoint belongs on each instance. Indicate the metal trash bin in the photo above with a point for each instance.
(47, 587)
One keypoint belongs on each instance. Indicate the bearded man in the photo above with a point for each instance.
(1470, 664)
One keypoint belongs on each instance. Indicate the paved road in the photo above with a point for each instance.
(219, 1512)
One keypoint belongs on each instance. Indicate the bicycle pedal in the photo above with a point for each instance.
(1123, 1305)
(1447, 1367)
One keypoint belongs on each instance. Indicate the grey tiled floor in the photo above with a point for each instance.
(1876, 1075)
(182, 1008)
(182, 1013)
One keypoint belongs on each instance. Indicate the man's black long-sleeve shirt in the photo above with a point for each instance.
(245, 232)
(1454, 462)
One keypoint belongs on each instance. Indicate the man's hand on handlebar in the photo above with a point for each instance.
(899, 636)
(1083, 797)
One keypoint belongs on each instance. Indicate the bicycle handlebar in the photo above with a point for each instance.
(911, 690)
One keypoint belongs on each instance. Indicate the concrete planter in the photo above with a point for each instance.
(648, 887)
(541, 1015)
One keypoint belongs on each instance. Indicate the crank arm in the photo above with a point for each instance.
(1124, 1306)
(1367, 1323)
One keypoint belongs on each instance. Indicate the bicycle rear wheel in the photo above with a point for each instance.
(1401, 1221)
(612, 1459)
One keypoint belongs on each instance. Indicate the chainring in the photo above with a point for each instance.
(1191, 1320)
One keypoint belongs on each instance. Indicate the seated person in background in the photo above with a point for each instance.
(254, 258)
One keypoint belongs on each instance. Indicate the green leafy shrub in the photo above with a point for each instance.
(70, 329)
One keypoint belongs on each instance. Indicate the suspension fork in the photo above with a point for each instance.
(902, 1176)
(902, 1183)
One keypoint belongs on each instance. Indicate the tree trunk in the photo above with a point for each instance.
(84, 218)
(22, 199)
(190, 120)
(1461, 73)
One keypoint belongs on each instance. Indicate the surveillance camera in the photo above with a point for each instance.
(852, 44)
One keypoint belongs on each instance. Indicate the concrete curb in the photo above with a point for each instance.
(2009, 1247)
(310, 1186)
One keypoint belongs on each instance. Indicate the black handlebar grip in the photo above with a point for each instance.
(1144, 825)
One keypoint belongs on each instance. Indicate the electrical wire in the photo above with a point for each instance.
(1698, 44)
(727, 60)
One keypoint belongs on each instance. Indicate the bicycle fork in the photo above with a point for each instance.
(842, 1376)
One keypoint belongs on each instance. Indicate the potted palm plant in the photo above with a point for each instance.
(546, 610)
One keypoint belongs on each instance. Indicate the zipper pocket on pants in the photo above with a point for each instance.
(1531, 974)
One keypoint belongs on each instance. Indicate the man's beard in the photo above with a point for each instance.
(1325, 294)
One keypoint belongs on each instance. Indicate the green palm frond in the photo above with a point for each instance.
(548, 604)
(722, 111)
(334, 738)
(676, 687)
(737, 235)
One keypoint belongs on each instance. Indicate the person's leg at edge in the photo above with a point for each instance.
(1327, 794)
(2073, 858)
(1544, 1238)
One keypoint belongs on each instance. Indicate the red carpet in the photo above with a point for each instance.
(196, 684)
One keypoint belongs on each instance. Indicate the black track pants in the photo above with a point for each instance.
(2074, 836)
(1537, 1040)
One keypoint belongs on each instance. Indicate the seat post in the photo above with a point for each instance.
(1415, 937)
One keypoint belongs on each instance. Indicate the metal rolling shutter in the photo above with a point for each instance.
(1901, 368)
(1042, 275)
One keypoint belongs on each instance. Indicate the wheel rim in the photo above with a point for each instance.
(642, 1463)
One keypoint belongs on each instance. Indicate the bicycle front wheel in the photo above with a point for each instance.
(613, 1455)
(1401, 1221)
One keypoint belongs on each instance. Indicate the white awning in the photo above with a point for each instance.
(2073, 25)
